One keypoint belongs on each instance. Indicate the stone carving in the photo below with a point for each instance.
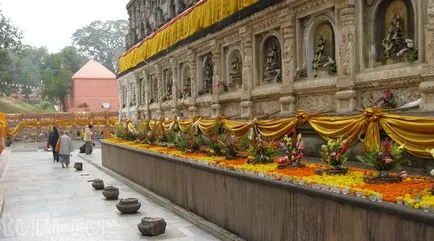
(320, 58)
(111, 193)
(272, 65)
(236, 71)
(98, 184)
(128, 205)
(208, 73)
(186, 89)
(316, 103)
(169, 85)
(150, 226)
(394, 41)
(402, 96)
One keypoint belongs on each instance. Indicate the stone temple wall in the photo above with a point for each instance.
(334, 56)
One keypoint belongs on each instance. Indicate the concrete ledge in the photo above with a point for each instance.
(258, 208)
(207, 226)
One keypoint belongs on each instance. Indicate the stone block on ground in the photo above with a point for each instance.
(128, 205)
(152, 226)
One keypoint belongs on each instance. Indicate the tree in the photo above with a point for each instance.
(10, 42)
(102, 41)
(58, 70)
(10, 36)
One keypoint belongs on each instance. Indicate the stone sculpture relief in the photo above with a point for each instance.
(236, 71)
(320, 58)
(208, 73)
(169, 85)
(272, 65)
(394, 40)
(186, 83)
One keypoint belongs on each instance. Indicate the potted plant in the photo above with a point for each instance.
(262, 152)
(229, 145)
(432, 171)
(293, 147)
(334, 153)
(384, 158)
(214, 142)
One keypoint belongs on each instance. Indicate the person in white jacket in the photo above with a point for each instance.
(64, 147)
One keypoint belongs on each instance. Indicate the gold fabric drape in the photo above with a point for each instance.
(416, 133)
(201, 16)
(60, 120)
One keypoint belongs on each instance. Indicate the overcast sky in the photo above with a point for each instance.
(51, 23)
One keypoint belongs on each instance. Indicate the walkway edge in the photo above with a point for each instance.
(2, 200)
(207, 226)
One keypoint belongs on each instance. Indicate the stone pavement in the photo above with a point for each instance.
(45, 202)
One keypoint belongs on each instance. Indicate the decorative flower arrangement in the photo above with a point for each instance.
(330, 66)
(293, 146)
(214, 142)
(335, 153)
(384, 158)
(222, 84)
(432, 171)
(187, 142)
(122, 132)
(387, 101)
(410, 51)
(229, 145)
(301, 72)
(262, 151)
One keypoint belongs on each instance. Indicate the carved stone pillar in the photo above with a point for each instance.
(146, 90)
(192, 109)
(429, 33)
(217, 73)
(247, 41)
(175, 84)
(426, 88)
(160, 94)
(346, 95)
(287, 101)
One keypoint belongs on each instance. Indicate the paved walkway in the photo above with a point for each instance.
(45, 202)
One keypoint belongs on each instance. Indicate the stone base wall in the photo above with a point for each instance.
(256, 208)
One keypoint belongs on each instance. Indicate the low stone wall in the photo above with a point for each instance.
(260, 209)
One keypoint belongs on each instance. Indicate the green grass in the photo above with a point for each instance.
(12, 105)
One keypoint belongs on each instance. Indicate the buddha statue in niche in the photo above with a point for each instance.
(207, 77)
(320, 57)
(169, 88)
(272, 65)
(394, 40)
(235, 74)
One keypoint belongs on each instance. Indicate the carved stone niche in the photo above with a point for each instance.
(185, 83)
(393, 26)
(206, 72)
(233, 67)
(153, 90)
(168, 85)
(319, 44)
(270, 59)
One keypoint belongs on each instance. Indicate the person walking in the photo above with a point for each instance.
(53, 137)
(64, 146)
(88, 139)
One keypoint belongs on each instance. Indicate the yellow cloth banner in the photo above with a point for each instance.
(416, 133)
(193, 20)
(60, 120)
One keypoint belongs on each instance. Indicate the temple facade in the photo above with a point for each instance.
(275, 57)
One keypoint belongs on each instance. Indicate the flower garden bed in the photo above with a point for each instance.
(261, 202)
(413, 192)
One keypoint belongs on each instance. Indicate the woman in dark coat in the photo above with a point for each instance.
(52, 140)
